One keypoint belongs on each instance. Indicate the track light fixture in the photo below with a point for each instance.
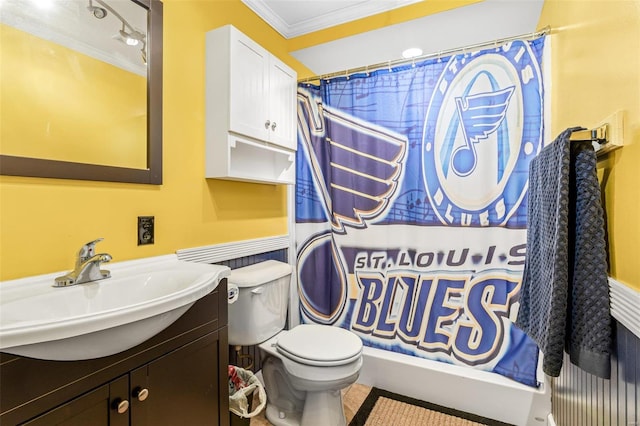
(132, 38)
(129, 35)
(98, 12)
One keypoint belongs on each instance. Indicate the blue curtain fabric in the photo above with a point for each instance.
(411, 205)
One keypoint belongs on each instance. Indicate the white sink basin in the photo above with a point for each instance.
(104, 317)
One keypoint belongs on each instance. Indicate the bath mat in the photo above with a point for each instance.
(384, 408)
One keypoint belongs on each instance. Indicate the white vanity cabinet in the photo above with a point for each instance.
(250, 110)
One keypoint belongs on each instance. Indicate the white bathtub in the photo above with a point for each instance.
(465, 389)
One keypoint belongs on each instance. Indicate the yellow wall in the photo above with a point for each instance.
(595, 72)
(43, 222)
(62, 99)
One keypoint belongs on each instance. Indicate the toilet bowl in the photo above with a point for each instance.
(305, 368)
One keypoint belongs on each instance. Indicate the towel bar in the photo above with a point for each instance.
(606, 136)
(598, 135)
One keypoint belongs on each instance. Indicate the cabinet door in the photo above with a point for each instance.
(182, 387)
(96, 408)
(248, 101)
(282, 104)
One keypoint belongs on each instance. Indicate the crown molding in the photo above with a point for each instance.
(330, 19)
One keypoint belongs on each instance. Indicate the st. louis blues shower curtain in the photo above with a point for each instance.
(411, 202)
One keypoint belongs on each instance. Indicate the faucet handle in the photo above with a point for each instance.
(88, 250)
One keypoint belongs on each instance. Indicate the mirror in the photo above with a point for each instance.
(81, 89)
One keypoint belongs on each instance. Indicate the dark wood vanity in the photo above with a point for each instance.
(178, 377)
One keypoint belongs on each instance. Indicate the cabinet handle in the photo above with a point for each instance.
(273, 126)
(121, 406)
(267, 124)
(140, 393)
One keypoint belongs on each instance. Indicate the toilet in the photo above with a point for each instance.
(305, 368)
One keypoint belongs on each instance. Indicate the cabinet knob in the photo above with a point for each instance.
(140, 393)
(273, 126)
(121, 406)
(267, 124)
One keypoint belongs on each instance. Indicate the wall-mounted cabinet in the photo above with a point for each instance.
(250, 110)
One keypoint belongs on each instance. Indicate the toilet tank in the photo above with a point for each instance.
(261, 308)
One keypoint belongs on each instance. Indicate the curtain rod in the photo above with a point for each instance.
(392, 63)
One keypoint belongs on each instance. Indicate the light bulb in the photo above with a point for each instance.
(44, 4)
(128, 38)
(412, 52)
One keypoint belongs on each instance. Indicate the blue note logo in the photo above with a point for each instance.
(483, 126)
(480, 115)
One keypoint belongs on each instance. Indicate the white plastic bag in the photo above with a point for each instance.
(242, 384)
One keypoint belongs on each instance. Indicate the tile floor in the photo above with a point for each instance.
(352, 398)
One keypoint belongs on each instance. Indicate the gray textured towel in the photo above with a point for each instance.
(564, 300)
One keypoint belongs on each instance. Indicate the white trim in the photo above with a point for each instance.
(233, 250)
(293, 314)
(550, 420)
(326, 20)
(547, 76)
(625, 305)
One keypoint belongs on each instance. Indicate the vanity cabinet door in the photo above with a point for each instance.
(182, 387)
(96, 408)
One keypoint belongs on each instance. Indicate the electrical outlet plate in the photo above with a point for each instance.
(146, 230)
(615, 133)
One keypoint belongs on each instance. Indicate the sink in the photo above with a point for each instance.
(104, 317)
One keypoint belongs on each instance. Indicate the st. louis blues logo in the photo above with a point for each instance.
(483, 125)
(356, 164)
(480, 115)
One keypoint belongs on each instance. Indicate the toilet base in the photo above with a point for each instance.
(278, 417)
(320, 409)
(323, 408)
(287, 406)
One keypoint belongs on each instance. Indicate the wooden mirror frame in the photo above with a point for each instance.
(36, 167)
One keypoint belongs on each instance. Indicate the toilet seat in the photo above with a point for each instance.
(320, 345)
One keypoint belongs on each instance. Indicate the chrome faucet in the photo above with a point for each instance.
(87, 267)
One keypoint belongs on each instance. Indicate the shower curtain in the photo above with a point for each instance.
(411, 201)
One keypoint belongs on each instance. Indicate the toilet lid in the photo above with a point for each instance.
(320, 345)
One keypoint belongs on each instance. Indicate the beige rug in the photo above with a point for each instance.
(383, 408)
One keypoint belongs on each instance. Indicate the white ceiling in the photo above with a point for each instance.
(476, 23)
(71, 24)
